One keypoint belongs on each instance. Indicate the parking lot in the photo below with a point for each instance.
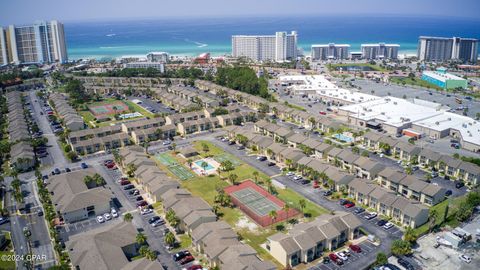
(353, 259)
(151, 105)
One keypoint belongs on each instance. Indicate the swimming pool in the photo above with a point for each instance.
(199, 164)
(343, 138)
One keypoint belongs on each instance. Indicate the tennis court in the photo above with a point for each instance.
(224, 157)
(255, 201)
(180, 171)
(108, 108)
(166, 159)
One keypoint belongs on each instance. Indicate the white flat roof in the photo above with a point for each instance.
(378, 44)
(391, 111)
(328, 45)
(442, 76)
(325, 88)
(468, 127)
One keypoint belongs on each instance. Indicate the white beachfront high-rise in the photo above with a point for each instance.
(280, 47)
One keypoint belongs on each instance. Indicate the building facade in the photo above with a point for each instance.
(279, 47)
(330, 51)
(161, 57)
(442, 49)
(42, 42)
(380, 51)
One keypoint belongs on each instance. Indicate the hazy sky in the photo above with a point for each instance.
(26, 11)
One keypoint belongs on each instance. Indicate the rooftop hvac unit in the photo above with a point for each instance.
(382, 113)
(437, 123)
(464, 125)
(395, 103)
(449, 119)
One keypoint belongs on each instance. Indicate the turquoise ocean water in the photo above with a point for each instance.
(194, 36)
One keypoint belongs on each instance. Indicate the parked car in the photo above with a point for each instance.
(370, 216)
(187, 259)
(342, 256)
(333, 257)
(389, 266)
(158, 223)
(146, 211)
(327, 193)
(3, 220)
(153, 219)
(355, 248)
(125, 182)
(114, 212)
(326, 260)
(107, 216)
(358, 210)
(459, 184)
(84, 165)
(349, 205)
(127, 187)
(231, 142)
(67, 169)
(57, 171)
(448, 192)
(180, 255)
(343, 201)
(465, 258)
(108, 161)
(387, 225)
(142, 204)
(100, 219)
(241, 147)
(261, 158)
(406, 264)
(381, 222)
(270, 164)
(195, 267)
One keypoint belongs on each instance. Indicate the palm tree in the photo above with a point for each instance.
(174, 147)
(189, 162)
(204, 166)
(302, 204)
(432, 219)
(151, 255)
(255, 176)
(128, 217)
(233, 178)
(273, 215)
(268, 182)
(286, 208)
(170, 239)
(215, 208)
(141, 239)
(131, 168)
(143, 250)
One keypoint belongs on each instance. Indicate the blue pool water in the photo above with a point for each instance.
(199, 163)
(343, 138)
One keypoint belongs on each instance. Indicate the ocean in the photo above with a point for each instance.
(191, 37)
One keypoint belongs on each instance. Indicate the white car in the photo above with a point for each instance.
(145, 211)
(387, 225)
(465, 258)
(166, 143)
(107, 216)
(342, 256)
(114, 213)
(289, 173)
(100, 219)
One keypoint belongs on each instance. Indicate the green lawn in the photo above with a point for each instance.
(4, 264)
(414, 81)
(332, 67)
(206, 188)
(440, 208)
(212, 149)
(185, 242)
(138, 108)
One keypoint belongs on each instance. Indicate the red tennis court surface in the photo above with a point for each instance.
(257, 203)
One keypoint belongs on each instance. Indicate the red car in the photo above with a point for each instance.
(124, 182)
(334, 258)
(322, 113)
(111, 165)
(355, 248)
(142, 204)
(187, 259)
(349, 205)
(195, 267)
(315, 184)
